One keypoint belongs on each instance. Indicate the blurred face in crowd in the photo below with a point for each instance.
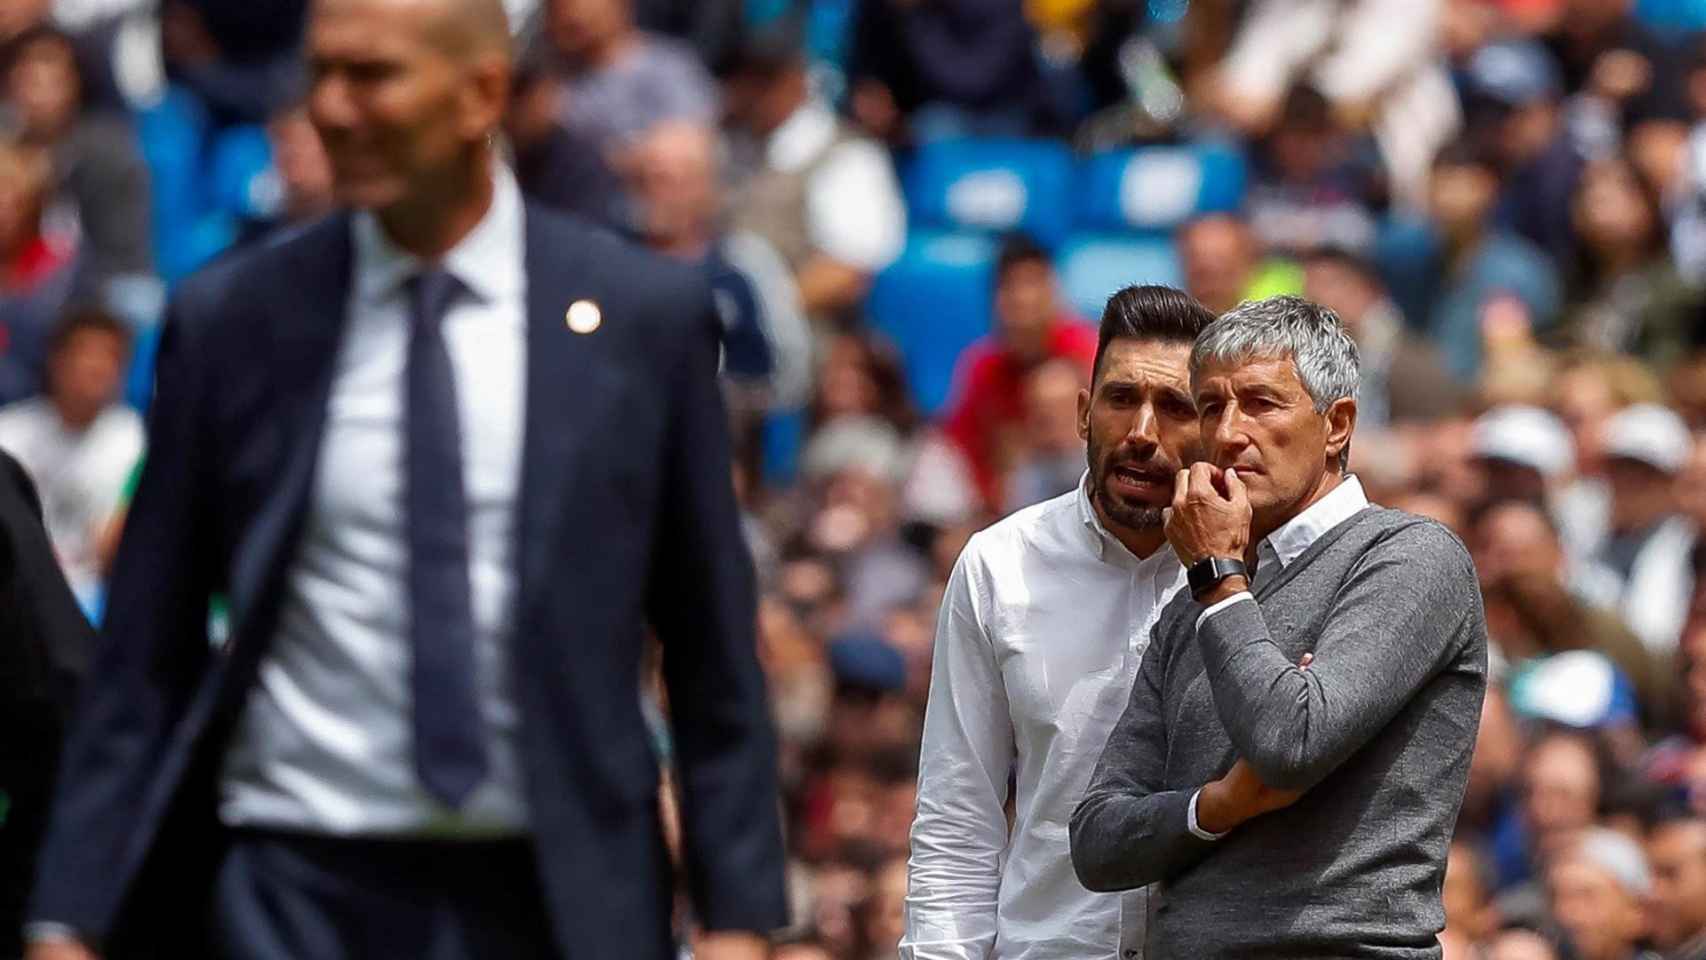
(674, 181)
(1051, 407)
(1341, 288)
(405, 94)
(1583, 397)
(302, 165)
(1218, 255)
(1141, 429)
(1691, 483)
(1612, 213)
(585, 30)
(759, 99)
(1515, 539)
(1026, 306)
(84, 375)
(1560, 792)
(1641, 494)
(847, 386)
(44, 87)
(885, 911)
(1603, 918)
(1677, 854)
(1497, 756)
(803, 951)
(16, 16)
(1257, 418)
(1521, 945)
(1465, 895)
(22, 185)
(1461, 196)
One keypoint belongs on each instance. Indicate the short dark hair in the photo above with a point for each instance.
(1019, 248)
(1150, 312)
(1463, 153)
(1347, 259)
(86, 319)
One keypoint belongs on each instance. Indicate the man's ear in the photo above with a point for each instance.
(1084, 415)
(1341, 423)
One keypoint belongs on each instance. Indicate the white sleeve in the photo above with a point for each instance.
(854, 208)
(960, 833)
(1276, 38)
(1370, 55)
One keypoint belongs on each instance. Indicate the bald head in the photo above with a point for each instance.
(461, 28)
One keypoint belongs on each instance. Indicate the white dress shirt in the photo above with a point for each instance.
(1276, 552)
(1044, 622)
(325, 742)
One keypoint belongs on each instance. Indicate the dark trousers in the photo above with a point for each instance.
(292, 897)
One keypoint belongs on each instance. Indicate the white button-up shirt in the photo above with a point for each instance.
(325, 742)
(1044, 622)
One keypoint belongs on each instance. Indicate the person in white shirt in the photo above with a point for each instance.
(1044, 622)
(79, 442)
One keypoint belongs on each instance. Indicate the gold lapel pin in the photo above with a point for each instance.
(584, 316)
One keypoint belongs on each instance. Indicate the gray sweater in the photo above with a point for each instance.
(1378, 730)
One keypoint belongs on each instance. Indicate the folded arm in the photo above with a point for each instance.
(1128, 831)
(1393, 625)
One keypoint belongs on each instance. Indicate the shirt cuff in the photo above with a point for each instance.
(1238, 597)
(1191, 821)
(46, 931)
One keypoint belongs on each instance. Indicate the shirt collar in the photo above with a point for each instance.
(1289, 541)
(1101, 539)
(804, 135)
(488, 261)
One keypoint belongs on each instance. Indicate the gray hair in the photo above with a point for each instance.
(1313, 337)
(1310, 334)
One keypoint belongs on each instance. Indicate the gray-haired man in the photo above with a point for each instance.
(1297, 742)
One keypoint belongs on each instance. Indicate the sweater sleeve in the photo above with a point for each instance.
(1128, 831)
(1396, 622)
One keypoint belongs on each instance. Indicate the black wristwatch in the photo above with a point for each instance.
(1207, 573)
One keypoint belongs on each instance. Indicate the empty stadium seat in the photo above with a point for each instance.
(992, 186)
(933, 302)
(1129, 203)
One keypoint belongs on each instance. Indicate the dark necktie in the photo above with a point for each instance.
(450, 752)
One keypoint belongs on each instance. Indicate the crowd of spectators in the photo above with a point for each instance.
(1504, 200)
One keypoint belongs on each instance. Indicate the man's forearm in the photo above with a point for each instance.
(1122, 842)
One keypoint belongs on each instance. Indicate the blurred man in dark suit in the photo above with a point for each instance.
(447, 457)
(43, 642)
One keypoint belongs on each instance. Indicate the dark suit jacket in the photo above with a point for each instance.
(625, 517)
(43, 640)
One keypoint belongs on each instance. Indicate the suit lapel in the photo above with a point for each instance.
(311, 306)
(562, 382)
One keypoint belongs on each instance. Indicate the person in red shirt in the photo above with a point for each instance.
(986, 416)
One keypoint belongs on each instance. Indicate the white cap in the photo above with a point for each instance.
(1525, 435)
(1651, 434)
(1618, 856)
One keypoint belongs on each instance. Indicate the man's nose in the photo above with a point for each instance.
(1144, 433)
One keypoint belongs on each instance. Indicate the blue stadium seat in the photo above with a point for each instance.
(1093, 266)
(241, 179)
(992, 186)
(1158, 188)
(1129, 203)
(1675, 17)
(933, 302)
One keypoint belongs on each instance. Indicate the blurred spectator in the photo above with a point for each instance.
(1223, 263)
(1679, 761)
(559, 168)
(1561, 790)
(1626, 295)
(1315, 186)
(861, 376)
(78, 442)
(303, 171)
(17, 16)
(1514, 98)
(1470, 917)
(1645, 447)
(949, 68)
(241, 60)
(1403, 378)
(36, 271)
(97, 166)
(1521, 944)
(1676, 851)
(987, 414)
(1525, 453)
(619, 79)
(1608, 54)
(1477, 262)
(1049, 458)
(1386, 79)
(1597, 888)
(822, 194)
(1538, 604)
(767, 346)
(710, 27)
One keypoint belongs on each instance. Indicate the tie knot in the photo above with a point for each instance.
(431, 292)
